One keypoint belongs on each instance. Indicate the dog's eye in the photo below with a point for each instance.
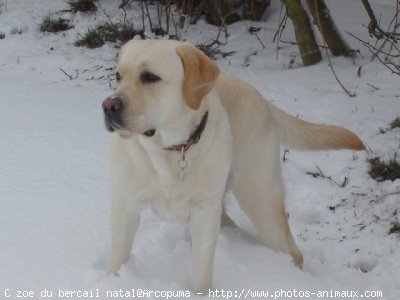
(117, 76)
(148, 77)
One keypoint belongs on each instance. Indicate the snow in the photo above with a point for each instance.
(54, 190)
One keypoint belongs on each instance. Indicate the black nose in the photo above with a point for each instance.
(112, 106)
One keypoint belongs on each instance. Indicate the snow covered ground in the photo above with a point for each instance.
(54, 194)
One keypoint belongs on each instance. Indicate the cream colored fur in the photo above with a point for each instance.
(241, 141)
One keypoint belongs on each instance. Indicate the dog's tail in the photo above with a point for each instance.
(303, 135)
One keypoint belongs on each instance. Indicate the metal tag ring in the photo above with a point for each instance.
(182, 164)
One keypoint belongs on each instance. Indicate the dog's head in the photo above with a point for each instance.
(160, 84)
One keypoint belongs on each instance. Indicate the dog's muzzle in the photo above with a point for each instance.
(112, 108)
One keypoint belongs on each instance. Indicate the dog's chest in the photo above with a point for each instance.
(170, 189)
(171, 203)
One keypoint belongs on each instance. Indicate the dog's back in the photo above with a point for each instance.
(246, 108)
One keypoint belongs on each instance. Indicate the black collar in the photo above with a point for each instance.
(193, 138)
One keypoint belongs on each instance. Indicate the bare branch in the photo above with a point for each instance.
(373, 27)
(350, 94)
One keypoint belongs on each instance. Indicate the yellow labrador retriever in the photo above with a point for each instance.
(185, 135)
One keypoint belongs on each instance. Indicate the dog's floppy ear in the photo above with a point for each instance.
(200, 74)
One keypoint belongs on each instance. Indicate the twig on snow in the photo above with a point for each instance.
(68, 75)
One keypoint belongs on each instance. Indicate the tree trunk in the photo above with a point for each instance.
(326, 25)
(305, 38)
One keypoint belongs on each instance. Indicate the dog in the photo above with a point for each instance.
(184, 134)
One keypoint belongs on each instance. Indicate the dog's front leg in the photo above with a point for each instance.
(205, 222)
(124, 223)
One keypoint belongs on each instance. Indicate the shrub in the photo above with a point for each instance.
(395, 228)
(395, 123)
(55, 25)
(109, 32)
(127, 32)
(91, 39)
(82, 5)
(381, 171)
(96, 37)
